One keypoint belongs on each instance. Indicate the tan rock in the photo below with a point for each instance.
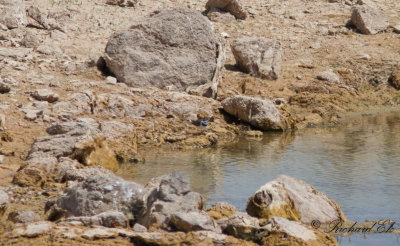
(369, 20)
(293, 199)
(232, 6)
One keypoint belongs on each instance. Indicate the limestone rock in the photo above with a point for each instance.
(221, 210)
(192, 221)
(280, 231)
(98, 233)
(240, 225)
(396, 28)
(166, 199)
(260, 57)
(394, 78)
(99, 194)
(369, 20)
(23, 216)
(45, 95)
(122, 3)
(173, 49)
(34, 229)
(12, 13)
(259, 113)
(330, 76)
(293, 199)
(232, 6)
(3, 202)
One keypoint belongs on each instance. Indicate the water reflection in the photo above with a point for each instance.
(356, 164)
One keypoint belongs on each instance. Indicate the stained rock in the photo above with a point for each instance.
(97, 195)
(330, 76)
(165, 201)
(12, 13)
(123, 3)
(260, 57)
(240, 225)
(293, 199)
(98, 233)
(394, 78)
(221, 210)
(368, 20)
(34, 229)
(173, 49)
(23, 216)
(260, 113)
(45, 95)
(232, 6)
(280, 231)
(3, 202)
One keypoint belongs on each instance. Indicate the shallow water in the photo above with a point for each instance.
(357, 164)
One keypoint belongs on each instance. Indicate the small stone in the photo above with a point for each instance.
(330, 76)
(23, 216)
(45, 95)
(139, 228)
(3, 202)
(232, 6)
(396, 28)
(36, 229)
(111, 80)
(1, 159)
(260, 57)
(97, 233)
(394, 79)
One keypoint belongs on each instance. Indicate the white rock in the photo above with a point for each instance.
(97, 233)
(36, 229)
(45, 95)
(369, 20)
(1, 159)
(330, 76)
(111, 80)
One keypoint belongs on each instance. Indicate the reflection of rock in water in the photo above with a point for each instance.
(205, 166)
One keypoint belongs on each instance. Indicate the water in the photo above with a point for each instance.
(356, 164)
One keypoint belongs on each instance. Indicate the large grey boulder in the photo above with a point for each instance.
(259, 57)
(168, 203)
(173, 49)
(293, 199)
(99, 194)
(369, 20)
(232, 6)
(260, 113)
(12, 13)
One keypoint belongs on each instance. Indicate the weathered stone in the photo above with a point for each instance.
(240, 225)
(165, 196)
(396, 28)
(192, 221)
(173, 49)
(368, 20)
(394, 78)
(99, 194)
(29, 176)
(3, 202)
(260, 57)
(262, 114)
(279, 231)
(221, 210)
(34, 229)
(23, 216)
(232, 6)
(123, 3)
(293, 199)
(12, 13)
(30, 40)
(107, 219)
(330, 76)
(98, 233)
(45, 95)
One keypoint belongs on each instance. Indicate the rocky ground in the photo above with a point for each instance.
(71, 98)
